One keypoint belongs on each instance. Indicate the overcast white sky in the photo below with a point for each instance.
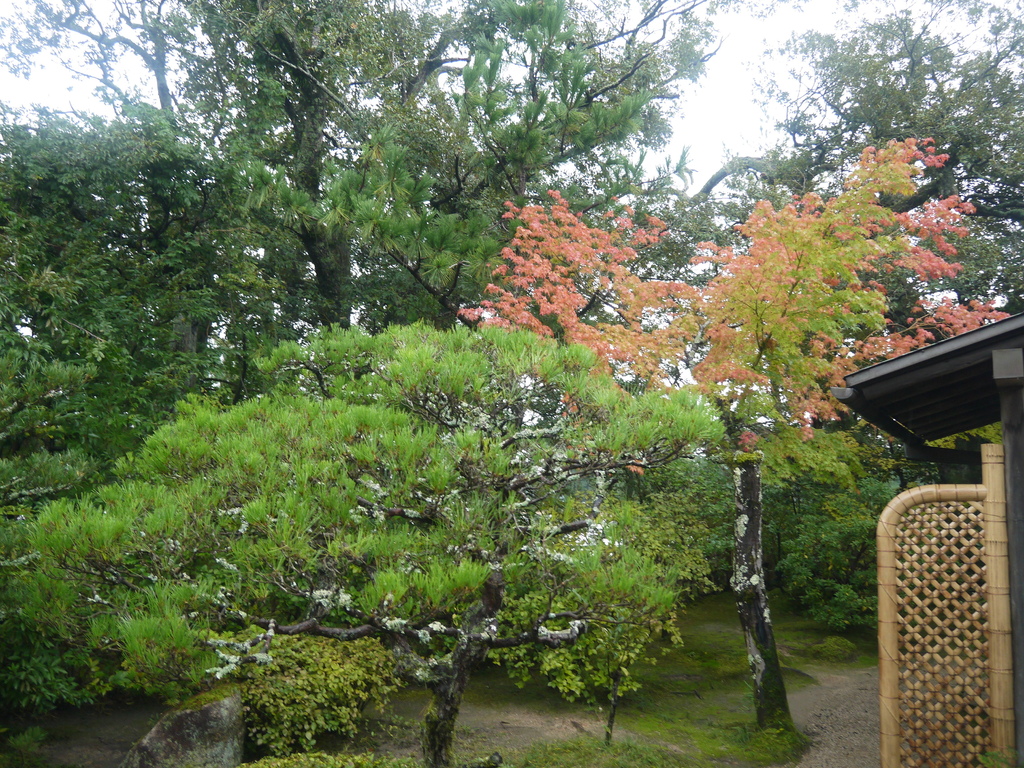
(723, 117)
(721, 114)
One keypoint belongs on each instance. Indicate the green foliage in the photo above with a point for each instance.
(1004, 759)
(28, 740)
(111, 282)
(35, 397)
(399, 486)
(41, 406)
(901, 74)
(675, 533)
(828, 562)
(159, 653)
(631, 535)
(692, 503)
(312, 686)
(321, 760)
(588, 668)
(22, 749)
(39, 671)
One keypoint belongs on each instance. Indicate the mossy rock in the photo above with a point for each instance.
(205, 731)
(217, 693)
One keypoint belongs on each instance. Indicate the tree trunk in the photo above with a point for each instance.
(613, 706)
(191, 334)
(331, 258)
(438, 734)
(752, 598)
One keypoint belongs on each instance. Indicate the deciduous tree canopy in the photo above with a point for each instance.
(777, 318)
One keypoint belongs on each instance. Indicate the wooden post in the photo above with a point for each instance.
(888, 635)
(997, 588)
(1008, 372)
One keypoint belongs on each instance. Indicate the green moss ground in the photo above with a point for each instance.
(694, 709)
(698, 695)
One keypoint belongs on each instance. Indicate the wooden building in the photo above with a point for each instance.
(954, 385)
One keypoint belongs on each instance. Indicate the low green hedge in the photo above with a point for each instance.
(314, 685)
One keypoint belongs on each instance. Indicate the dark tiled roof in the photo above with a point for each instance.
(935, 391)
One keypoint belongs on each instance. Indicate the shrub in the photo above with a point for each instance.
(1002, 759)
(321, 760)
(696, 497)
(313, 685)
(38, 671)
(22, 749)
(835, 649)
(830, 564)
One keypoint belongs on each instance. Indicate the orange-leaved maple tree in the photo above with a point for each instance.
(562, 277)
(774, 323)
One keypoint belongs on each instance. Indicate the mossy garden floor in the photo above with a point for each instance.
(694, 708)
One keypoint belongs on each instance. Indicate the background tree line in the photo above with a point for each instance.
(274, 170)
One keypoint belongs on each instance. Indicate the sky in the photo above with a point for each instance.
(721, 115)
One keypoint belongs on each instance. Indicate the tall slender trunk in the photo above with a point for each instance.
(330, 255)
(613, 707)
(748, 585)
(158, 64)
(191, 334)
(309, 111)
(190, 338)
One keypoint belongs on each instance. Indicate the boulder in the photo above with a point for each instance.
(206, 731)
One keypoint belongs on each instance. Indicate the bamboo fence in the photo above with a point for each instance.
(945, 679)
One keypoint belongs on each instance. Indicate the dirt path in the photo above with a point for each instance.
(97, 736)
(840, 714)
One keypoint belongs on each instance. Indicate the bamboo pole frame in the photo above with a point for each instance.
(971, 709)
(1000, 632)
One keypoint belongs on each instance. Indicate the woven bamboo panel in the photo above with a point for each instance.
(943, 671)
(940, 576)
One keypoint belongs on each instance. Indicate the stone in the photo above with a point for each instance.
(207, 731)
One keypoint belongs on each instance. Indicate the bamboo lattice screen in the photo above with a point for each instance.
(944, 624)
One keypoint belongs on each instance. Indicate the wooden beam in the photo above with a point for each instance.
(1008, 372)
(853, 398)
(943, 455)
(1008, 367)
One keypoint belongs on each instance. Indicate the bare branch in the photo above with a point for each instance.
(731, 168)
(314, 627)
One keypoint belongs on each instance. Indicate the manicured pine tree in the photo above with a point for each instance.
(443, 491)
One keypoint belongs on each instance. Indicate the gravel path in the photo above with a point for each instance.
(840, 715)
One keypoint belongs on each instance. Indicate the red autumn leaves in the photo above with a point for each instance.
(794, 309)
